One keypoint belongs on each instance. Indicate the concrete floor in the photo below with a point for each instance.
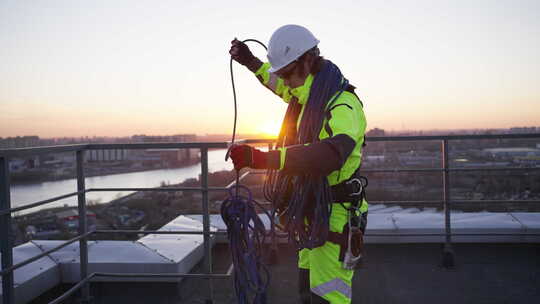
(392, 273)
(410, 273)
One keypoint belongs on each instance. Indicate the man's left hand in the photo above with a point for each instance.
(247, 156)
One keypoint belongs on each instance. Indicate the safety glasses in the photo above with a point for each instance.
(287, 71)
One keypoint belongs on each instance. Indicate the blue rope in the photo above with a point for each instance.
(246, 234)
(308, 197)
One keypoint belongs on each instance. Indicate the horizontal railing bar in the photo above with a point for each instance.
(421, 137)
(452, 137)
(496, 169)
(159, 145)
(494, 201)
(28, 206)
(157, 189)
(163, 275)
(39, 256)
(394, 170)
(16, 152)
(159, 232)
(132, 146)
(453, 234)
(285, 234)
(105, 190)
(239, 179)
(372, 203)
(257, 141)
(108, 189)
(278, 234)
(72, 290)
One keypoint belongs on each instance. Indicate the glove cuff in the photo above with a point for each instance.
(265, 160)
(273, 159)
(254, 64)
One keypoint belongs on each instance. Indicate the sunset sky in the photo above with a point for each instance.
(123, 67)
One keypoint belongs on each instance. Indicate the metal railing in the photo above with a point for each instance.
(7, 235)
(448, 254)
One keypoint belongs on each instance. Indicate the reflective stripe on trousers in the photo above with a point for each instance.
(334, 285)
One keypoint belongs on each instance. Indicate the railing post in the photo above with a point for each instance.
(448, 253)
(206, 223)
(6, 241)
(83, 247)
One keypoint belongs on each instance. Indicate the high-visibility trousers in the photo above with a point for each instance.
(322, 269)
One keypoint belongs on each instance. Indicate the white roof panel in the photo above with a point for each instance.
(35, 278)
(494, 222)
(376, 207)
(387, 209)
(377, 222)
(530, 221)
(176, 247)
(122, 252)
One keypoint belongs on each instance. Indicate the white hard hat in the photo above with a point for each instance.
(287, 44)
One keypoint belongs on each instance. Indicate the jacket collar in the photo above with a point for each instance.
(302, 92)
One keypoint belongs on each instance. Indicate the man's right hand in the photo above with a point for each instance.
(240, 52)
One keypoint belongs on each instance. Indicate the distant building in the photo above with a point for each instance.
(165, 138)
(375, 132)
(412, 159)
(173, 157)
(69, 220)
(106, 155)
(522, 130)
(512, 152)
(19, 142)
(169, 156)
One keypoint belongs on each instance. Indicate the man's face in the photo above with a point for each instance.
(294, 74)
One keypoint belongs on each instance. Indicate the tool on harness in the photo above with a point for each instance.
(355, 234)
(351, 239)
(246, 232)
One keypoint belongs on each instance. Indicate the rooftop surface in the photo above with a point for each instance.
(397, 269)
(392, 273)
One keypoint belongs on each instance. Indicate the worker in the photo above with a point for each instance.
(292, 73)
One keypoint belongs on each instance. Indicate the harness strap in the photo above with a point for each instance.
(351, 190)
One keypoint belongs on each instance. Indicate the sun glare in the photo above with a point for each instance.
(271, 127)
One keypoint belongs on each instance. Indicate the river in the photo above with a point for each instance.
(31, 193)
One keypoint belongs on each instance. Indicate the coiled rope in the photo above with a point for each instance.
(246, 232)
(305, 201)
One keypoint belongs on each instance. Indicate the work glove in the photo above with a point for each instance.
(247, 156)
(240, 53)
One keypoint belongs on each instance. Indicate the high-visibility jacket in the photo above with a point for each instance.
(339, 151)
(337, 155)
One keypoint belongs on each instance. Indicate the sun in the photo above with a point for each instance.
(271, 127)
